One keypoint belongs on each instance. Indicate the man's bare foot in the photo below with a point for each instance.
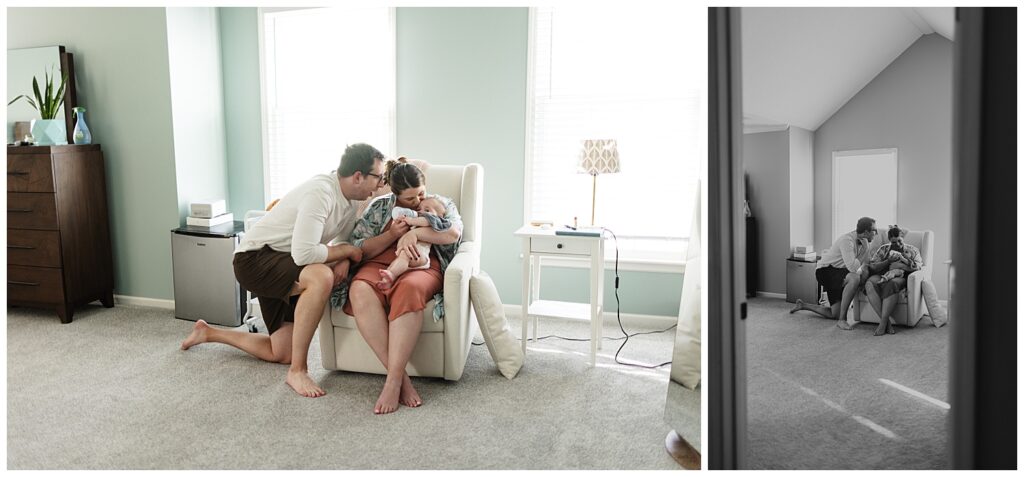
(880, 329)
(197, 336)
(799, 306)
(386, 279)
(388, 400)
(843, 325)
(408, 395)
(303, 384)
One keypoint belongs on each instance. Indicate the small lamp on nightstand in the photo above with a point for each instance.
(598, 156)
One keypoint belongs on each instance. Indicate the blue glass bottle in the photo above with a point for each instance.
(82, 134)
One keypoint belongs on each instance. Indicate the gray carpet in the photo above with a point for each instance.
(815, 399)
(112, 390)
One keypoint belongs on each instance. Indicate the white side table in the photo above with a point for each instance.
(539, 243)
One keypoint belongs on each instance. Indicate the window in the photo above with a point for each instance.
(633, 74)
(329, 81)
(852, 169)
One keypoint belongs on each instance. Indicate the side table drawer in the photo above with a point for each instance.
(33, 248)
(42, 285)
(29, 173)
(26, 210)
(560, 246)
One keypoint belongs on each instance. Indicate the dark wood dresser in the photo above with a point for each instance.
(58, 235)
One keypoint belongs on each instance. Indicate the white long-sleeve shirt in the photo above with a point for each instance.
(306, 219)
(848, 252)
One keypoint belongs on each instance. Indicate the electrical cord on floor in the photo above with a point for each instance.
(618, 316)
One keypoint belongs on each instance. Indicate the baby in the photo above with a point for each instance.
(430, 214)
(895, 272)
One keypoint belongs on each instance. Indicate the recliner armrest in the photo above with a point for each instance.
(914, 294)
(457, 334)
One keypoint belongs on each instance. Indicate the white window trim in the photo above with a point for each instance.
(265, 141)
(630, 265)
(528, 156)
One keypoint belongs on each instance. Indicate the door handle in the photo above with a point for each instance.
(19, 210)
(21, 247)
(14, 282)
(743, 311)
(17, 173)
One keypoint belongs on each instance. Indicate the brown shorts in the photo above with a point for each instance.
(270, 276)
(409, 293)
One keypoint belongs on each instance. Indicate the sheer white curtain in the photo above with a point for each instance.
(329, 81)
(633, 74)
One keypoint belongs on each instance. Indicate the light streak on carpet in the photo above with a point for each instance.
(828, 402)
(915, 393)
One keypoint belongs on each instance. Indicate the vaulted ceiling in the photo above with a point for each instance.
(801, 65)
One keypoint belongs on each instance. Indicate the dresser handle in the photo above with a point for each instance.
(12, 282)
(21, 247)
(19, 210)
(17, 173)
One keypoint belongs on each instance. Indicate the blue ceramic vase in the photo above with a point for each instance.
(82, 134)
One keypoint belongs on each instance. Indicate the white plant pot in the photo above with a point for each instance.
(49, 132)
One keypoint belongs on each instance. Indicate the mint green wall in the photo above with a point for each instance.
(240, 53)
(123, 80)
(462, 98)
(197, 105)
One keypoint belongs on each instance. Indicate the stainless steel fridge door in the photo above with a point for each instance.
(204, 279)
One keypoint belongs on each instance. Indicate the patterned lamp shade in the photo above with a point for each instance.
(599, 156)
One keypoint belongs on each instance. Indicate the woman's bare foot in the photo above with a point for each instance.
(843, 325)
(386, 279)
(889, 328)
(880, 330)
(388, 400)
(303, 384)
(408, 396)
(197, 336)
(799, 306)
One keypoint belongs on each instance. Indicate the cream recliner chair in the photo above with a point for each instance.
(443, 346)
(910, 307)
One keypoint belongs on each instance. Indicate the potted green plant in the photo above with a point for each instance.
(48, 130)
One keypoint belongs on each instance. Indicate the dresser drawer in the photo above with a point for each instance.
(40, 285)
(26, 210)
(29, 173)
(560, 245)
(34, 248)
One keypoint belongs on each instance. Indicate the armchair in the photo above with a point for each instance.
(910, 305)
(443, 347)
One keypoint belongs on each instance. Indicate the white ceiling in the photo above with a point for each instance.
(800, 65)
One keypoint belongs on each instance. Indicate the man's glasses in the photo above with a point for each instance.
(380, 178)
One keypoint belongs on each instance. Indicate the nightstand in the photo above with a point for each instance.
(544, 243)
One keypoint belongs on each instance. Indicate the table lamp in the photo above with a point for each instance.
(598, 156)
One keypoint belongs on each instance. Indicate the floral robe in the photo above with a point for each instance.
(371, 224)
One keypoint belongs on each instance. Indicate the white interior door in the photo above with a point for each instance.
(863, 185)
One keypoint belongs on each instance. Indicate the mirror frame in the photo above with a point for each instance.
(67, 65)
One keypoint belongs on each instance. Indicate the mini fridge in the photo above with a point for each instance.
(204, 278)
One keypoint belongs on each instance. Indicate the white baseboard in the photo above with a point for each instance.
(771, 295)
(143, 301)
(635, 319)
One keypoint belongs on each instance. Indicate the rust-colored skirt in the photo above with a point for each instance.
(409, 293)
